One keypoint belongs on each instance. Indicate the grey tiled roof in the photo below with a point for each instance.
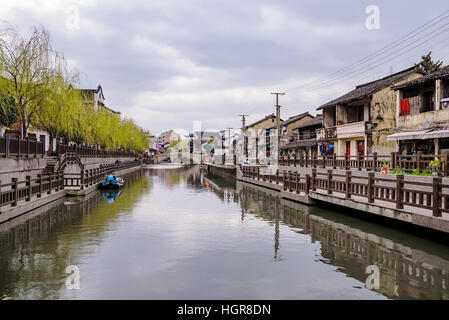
(296, 118)
(318, 120)
(367, 89)
(441, 74)
(265, 118)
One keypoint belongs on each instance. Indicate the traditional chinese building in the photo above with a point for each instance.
(359, 122)
(422, 112)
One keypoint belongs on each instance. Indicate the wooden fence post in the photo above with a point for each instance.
(15, 187)
(39, 194)
(393, 161)
(348, 184)
(82, 180)
(375, 161)
(298, 178)
(313, 179)
(28, 184)
(418, 160)
(329, 181)
(446, 164)
(307, 183)
(50, 183)
(8, 144)
(370, 187)
(290, 188)
(399, 191)
(28, 146)
(284, 180)
(436, 197)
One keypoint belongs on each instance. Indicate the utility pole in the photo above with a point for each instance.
(243, 122)
(278, 114)
(229, 140)
(245, 147)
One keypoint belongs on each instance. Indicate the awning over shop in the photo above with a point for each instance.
(302, 144)
(443, 133)
(409, 135)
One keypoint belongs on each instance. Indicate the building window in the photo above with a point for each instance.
(361, 147)
(360, 113)
(428, 101)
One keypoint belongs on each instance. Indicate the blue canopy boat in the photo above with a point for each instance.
(112, 182)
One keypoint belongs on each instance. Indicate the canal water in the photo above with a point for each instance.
(180, 233)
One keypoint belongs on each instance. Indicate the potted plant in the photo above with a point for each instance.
(384, 169)
(434, 166)
(339, 122)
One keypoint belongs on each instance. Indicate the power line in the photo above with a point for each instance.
(381, 63)
(394, 43)
(381, 60)
(387, 48)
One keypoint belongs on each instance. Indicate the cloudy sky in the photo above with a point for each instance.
(165, 63)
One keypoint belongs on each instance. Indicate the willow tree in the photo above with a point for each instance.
(8, 111)
(25, 70)
(60, 103)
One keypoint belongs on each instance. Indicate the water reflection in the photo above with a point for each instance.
(36, 248)
(410, 267)
(110, 196)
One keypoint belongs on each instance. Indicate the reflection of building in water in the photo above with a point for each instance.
(405, 271)
(223, 186)
(174, 176)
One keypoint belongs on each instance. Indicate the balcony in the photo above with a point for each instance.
(325, 134)
(351, 130)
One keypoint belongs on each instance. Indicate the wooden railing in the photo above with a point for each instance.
(374, 162)
(426, 195)
(17, 148)
(13, 147)
(90, 152)
(11, 193)
(89, 177)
